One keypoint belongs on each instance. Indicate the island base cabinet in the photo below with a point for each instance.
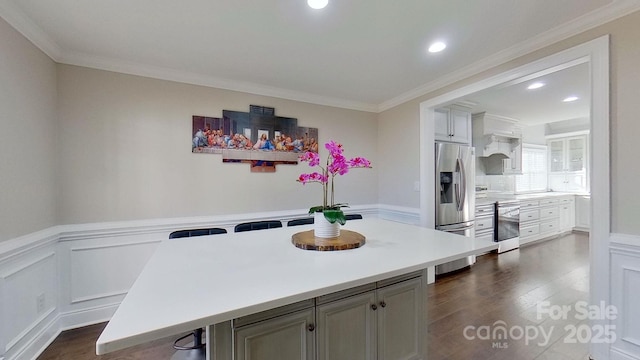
(399, 321)
(346, 329)
(385, 324)
(287, 337)
(385, 320)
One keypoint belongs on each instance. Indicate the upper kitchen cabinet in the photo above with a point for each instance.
(453, 124)
(498, 143)
(568, 162)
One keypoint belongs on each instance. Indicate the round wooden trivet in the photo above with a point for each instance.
(347, 240)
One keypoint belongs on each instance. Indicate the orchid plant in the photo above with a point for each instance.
(336, 164)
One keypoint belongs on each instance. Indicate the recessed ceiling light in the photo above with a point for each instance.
(535, 85)
(437, 47)
(570, 99)
(317, 4)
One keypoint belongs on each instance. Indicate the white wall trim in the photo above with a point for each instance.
(13, 271)
(625, 242)
(27, 243)
(402, 214)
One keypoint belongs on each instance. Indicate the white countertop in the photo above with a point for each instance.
(548, 194)
(193, 282)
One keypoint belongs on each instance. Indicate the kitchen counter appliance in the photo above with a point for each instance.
(455, 196)
(507, 229)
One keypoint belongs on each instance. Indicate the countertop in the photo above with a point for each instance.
(493, 197)
(193, 282)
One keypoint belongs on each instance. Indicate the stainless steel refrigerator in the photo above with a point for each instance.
(455, 196)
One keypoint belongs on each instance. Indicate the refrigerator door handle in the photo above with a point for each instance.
(463, 186)
(456, 184)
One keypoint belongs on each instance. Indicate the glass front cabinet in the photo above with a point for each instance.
(568, 163)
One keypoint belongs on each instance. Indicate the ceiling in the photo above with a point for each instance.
(361, 54)
(538, 106)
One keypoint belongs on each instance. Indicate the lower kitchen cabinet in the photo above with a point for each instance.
(545, 217)
(381, 324)
(346, 328)
(382, 321)
(399, 320)
(286, 337)
(567, 214)
(582, 210)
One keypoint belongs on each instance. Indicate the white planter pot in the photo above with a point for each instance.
(323, 228)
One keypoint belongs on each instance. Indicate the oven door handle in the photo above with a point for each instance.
(456, 227)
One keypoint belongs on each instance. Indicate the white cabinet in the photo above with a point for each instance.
(583, 213)
(453, 124)
(286, 337)
(382, 324)
(566, 212)
(546, 217)
(568, 163)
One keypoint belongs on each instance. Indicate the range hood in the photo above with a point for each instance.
(493, 134)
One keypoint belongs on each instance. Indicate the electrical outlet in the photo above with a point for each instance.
(40, 303)
(416, 186)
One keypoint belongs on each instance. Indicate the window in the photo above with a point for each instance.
(534, 169)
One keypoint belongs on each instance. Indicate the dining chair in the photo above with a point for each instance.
(257, 225)
(301, 221)
(197, 351)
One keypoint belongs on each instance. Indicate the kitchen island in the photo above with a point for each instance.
(248, 273)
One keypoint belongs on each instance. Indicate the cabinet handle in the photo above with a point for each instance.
(311, 327)
(374, 307)
(383, 304)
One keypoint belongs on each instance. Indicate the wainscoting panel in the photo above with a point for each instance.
(29, 299)
(625, 287)
(107, 270)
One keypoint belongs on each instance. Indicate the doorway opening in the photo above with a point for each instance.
(595, 54)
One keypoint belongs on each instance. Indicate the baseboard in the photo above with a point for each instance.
(616, 354)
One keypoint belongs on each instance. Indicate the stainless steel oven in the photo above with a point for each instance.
(507, 229)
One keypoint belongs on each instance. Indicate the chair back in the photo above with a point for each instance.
(257, 225)
(301, 221)
(196, 232)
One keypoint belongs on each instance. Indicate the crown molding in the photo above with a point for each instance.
(40, 39)
(615, 10)
(23, 24)
(162, 73)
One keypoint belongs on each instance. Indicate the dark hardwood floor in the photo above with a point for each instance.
(499, 290)
(504, 290)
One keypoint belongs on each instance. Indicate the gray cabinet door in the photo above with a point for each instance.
(286, 337)
(400, 321)
(347, 328)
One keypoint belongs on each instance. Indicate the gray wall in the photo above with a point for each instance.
(401, 124)
(27, 136)
(126, 151)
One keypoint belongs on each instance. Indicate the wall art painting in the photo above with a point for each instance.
(258, 138)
